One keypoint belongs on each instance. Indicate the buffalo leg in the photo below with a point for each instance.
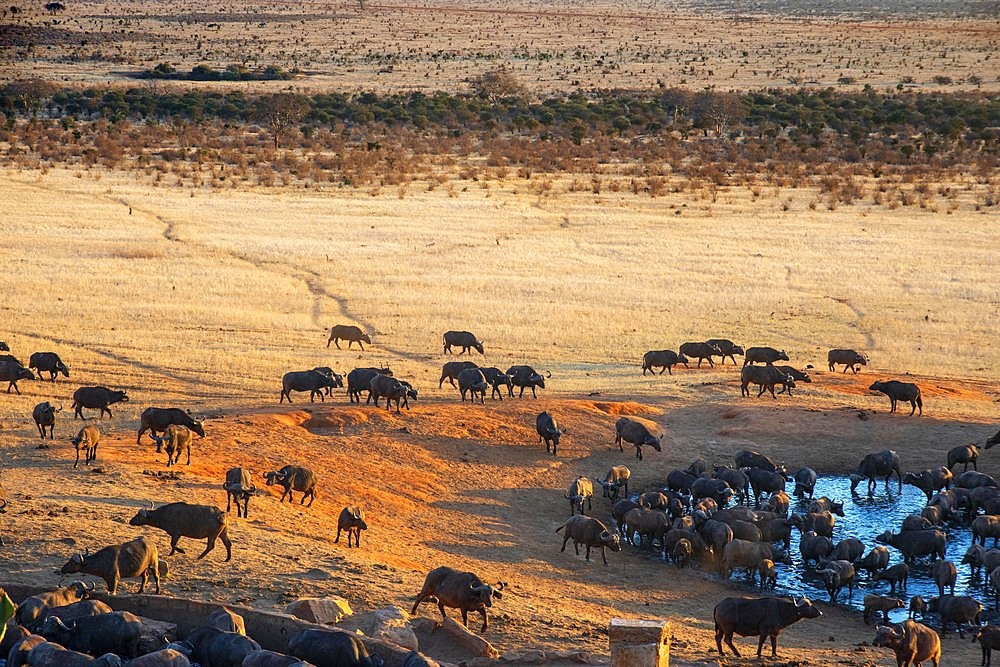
(729, 643)
(483, 612)
(604, 554)
(246, 503)
(228, 543)
(75, 464)
(565, 540)
(588, 553)
(173, 545)
(774, 645)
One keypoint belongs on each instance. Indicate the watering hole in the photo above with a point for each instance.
(865, 518)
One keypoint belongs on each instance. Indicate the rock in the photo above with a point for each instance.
(531, 657)
(393, 625)
(155, 634)
(320, 610)
(469, 640)
(478, 662)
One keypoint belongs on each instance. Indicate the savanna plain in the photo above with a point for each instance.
(196, 285)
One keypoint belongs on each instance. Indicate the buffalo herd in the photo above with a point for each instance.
(689, 518)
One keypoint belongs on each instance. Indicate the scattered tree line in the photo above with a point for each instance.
(797, 113)
(671, 140)
(229, 73)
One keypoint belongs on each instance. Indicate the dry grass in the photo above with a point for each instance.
(233, 288)
(554, 45)
(204, 301)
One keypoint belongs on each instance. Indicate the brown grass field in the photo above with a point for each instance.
(203, 300)
(201, 297)
(552, 45)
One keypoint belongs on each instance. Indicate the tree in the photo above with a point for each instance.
(282, 110)
(29, 93)
(496, 84)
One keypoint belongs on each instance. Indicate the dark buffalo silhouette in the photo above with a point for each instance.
(350, 333)
(96, 398)
(900, 391)
(462, 339)
(158, 419)
(48, 362)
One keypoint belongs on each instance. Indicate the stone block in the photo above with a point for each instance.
(639, 643)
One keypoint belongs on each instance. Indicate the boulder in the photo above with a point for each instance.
(393, 625)
(155, 635)
(320, 610)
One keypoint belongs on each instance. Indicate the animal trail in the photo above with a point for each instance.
(859, 316)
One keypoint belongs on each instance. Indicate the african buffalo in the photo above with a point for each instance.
(462, 339)
(185, 520)
(48, 362)
(768, 355)
(87, 439)
(175, 440)
(360, 379)
(849, 358)
(900, 391)
(590, 533)
(635, 433)
(451, 369)
(915, 543)
(496, 378)
(473, 381)
(913, 643)
(96, 398)
(348, 332)
(294, 478)
(548, 431)
(135, 558)
(351, 521)
(158, 419)
(312, 381)
(880, 464)
(11, 371)
(766, 378)
(665, 358)
(525, 377)
(44, 415)
(459, 590)
(763, 617)
(238, 488)
(701, 351)
(383, 386)
(727, 347)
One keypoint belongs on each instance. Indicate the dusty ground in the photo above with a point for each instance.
(203, 302)
(551, 45)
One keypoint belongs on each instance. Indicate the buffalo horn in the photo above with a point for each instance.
(500, 585)
(4, 501)
(60, 408)
(548, 374)
(253, 489)
(92, 585)
(151, 505)
(227, 486)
